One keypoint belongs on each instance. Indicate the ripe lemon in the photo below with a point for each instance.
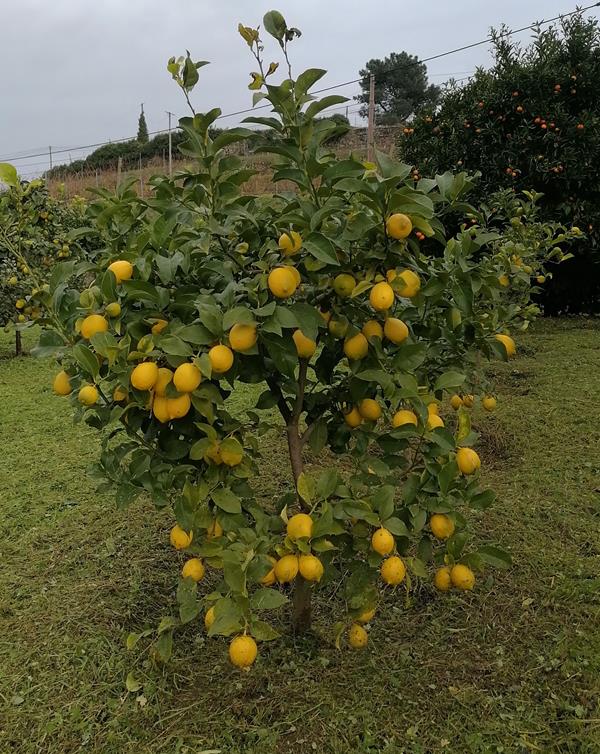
(395, 330)
(404, 416)
(441, 525)
(300, 526)
(179, 407)
(369, 409)
(119, 394)
(357, 636)
(286, 568)
(186, 379)
(504, 281)
(305, 347)
(411, 284)
(433, 408)
(62, 383)
(214, 454)
(242, 337)
(366, 616)
(121, 269)
(541, 279)
(489, 403)
(215, 530)
(144, 376)
(193, 568)
(356, 347)
(159, 326)
(468, 401)
(442, 580)
(165, 376)
(88, 395)
(243, 651)
(508, 343)
(398, 226)
(269, 578)
(381, 296)
(209, 618)
(456, 402)
(372, 329)
(344, 284)
(160, 408)
(310, 567)
(231, 457)
(92, 324)
(221, 359)
(290, 243)
(434, 421)
(113, 309)
(462, 577)
(20, 303)
(282, 282)
(468, 461)
(393, 570)
(179, 538)
(382, 541)
(353, 418)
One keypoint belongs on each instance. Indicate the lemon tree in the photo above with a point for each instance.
(323, 297)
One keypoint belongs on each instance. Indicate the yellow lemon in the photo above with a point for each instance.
(221, 359)
(441, 525)
(290, 243)
(353, 418)
(344, 284)
(214, 454)
(395, 330)
(269, 578)
(434, 421)
(366, 616)
(62, 383)
(209, 618)
(144, 376)
(468, 461)
(442, 580)
(88, 395)
(300, 526)
(433, 408)
(286, 568)
(357, 636)
(404, 416)
(369, 409)
(242, 337)
(194, 569)
(310, 567)
(504, 281)
(282, 282)
(160, 408)
(411, 284)
(541, 279)
(121, 269)
(113, 309)
(215, 530)
(305, 347)
(381, 296)
(165, 376)
(508, 343)
(356, 347)
(382, 541)
(187, 377)
(489, 403)
(456, 402)
(243, 651)
(119, 394)
(393, 570)
(92, 324)
(179, 407)
(372, 329)
(462, 577)
(231, 457)
(159, 326)
(468, 401)
(398, 226)
(179, 538)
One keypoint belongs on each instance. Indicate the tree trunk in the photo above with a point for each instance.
(18, 343)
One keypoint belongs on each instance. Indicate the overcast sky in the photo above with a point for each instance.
(74, 72)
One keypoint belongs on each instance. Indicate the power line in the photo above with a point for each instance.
(409, 64)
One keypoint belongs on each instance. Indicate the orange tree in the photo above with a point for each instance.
(530, 122)
(325, 298)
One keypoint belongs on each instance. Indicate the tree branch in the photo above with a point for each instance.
(282, 404)
(301, 389)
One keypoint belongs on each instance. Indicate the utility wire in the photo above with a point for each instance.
(410, 64)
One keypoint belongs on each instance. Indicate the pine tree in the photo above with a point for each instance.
(142, 134)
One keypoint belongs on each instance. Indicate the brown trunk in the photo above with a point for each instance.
(18, 343)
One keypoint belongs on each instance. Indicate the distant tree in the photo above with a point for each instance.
(142, 134)
(401, 87)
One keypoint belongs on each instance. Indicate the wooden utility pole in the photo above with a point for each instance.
(141, 177)
(170, 146)
(371, 126)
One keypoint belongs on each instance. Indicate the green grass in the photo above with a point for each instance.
(512, 667)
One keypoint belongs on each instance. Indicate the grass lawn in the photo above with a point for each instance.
(512, 667)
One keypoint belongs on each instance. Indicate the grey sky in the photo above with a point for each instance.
(73, 72)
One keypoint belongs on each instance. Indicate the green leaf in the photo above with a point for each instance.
(315, 107)
(307, 79)
(132, 684)
(327, 482)
(8, 174)
(239, 314)
(86, 359)
(494, 556)
(482, 500)
(318, 437)
(267, 599)
(226, 500)
(306, 487)
(175, 346)
(275, 24)
(262, 631)
(321, 248)
(449, 380)
(396, 526)
(447, 475)
(228, 618)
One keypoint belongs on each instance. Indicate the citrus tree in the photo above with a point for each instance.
(323, 299)
(530, 122)
(35, 235)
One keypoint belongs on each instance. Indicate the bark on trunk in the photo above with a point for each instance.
(301, 606)
(18, 343)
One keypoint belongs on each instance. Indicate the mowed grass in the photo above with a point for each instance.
(512, 667)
